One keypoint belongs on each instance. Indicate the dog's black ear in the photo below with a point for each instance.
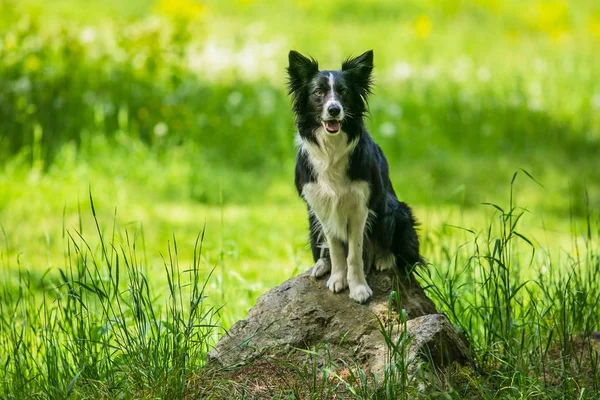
(363, 62)
(300, 69)
(359, 70)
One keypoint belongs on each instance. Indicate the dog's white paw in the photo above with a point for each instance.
(322, 266)
(360, 293)
(386, 262)
(337, 282)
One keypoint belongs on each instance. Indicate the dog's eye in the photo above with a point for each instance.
(318, 93)
(343, 92)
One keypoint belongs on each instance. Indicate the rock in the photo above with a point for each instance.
(302, 314)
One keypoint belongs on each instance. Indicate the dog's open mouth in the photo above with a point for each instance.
(332, 126)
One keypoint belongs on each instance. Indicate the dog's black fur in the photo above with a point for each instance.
(391, 225)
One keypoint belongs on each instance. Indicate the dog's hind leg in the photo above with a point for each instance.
(322, 266)
(383, 233)
(385, 261)
(319, 248)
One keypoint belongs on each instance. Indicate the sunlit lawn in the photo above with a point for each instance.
(252, 247)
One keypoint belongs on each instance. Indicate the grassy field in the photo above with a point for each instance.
(173, 117)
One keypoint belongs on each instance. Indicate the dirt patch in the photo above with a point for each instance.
(265, 378)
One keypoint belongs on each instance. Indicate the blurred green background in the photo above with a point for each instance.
(174, 114)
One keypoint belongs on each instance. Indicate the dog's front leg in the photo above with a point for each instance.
(337, 280)
(359, 289)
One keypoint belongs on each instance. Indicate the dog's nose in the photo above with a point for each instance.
(334, 110)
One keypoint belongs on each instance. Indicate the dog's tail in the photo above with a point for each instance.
(405, 240)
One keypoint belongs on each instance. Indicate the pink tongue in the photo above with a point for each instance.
(332, 126)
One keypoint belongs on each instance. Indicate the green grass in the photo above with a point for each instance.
(174, 116)
(100, 322)
(110, 321)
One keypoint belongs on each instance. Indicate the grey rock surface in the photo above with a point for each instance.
(302, 313)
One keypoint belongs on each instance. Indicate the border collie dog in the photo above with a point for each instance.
(356, 220)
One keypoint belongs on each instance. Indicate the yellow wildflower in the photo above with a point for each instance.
(552, 17)
(594, 27)
(491, 6)
(182, 9)
(423, 26)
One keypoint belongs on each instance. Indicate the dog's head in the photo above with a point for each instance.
(331, 99)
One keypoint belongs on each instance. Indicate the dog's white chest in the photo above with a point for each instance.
(334, 203)
(334, 198)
